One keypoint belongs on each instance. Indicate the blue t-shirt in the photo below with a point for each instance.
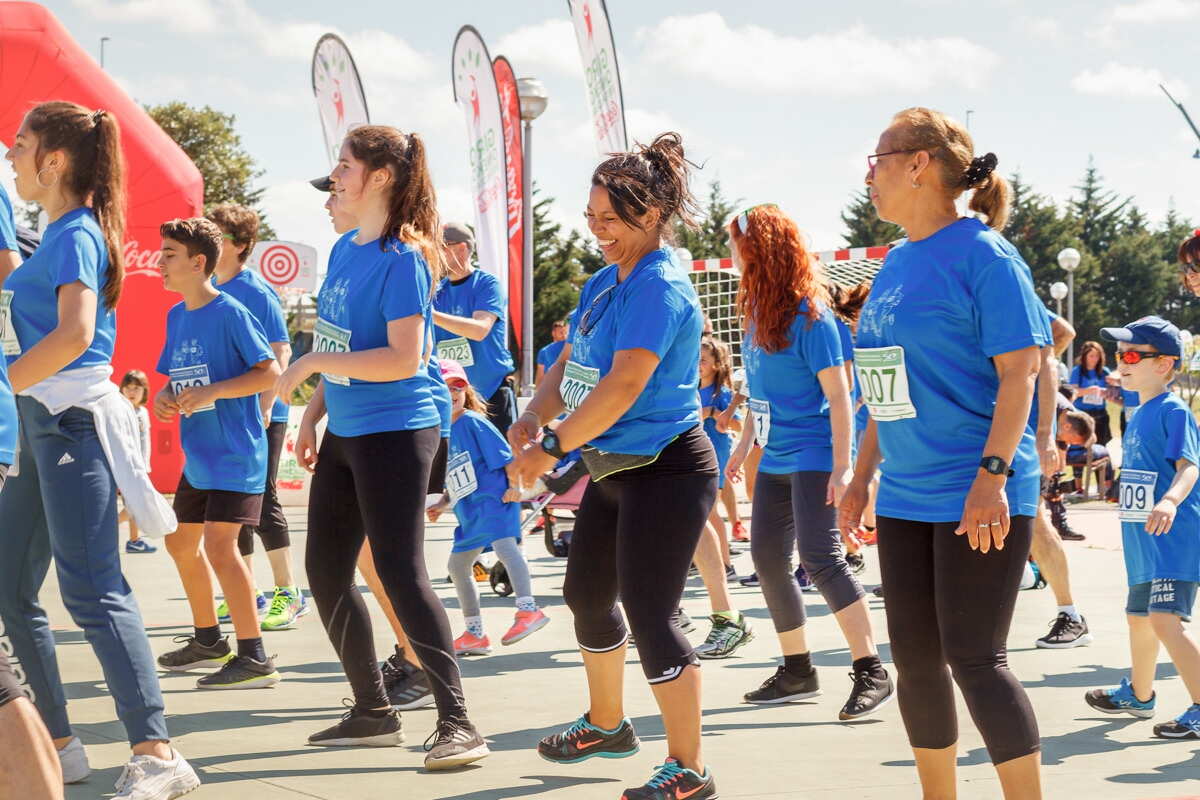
(654, 309)
(262, 301)
(226, 446)
(480, 291)
(790, 408)
(1162, 432)
(951, 301)
(364, 290)
(72, 249)
(1086, 380)
(1132, 401)
(549, 354)
(8, 406)
(718, 401)
(1037, 385)
(478, 455)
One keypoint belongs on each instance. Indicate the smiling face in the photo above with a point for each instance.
(620, 243)
(179, 271)
(458, 396)
(1191, 279)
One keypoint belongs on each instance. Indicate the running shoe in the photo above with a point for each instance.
(731, 575)
(411, 691)
(150, 778)
(194, 655)
(242, 672)
(1069, 534)
(1185, 726)
(725, 637)
(1066, 633)
(1121, 700)
(857, 563)
(524, 623)
(455, 744)
(736, 551)
(260, 602)
(471, 645)
(869, 537)
(684, 620)
(784, 687)
(140, 546)
(360, 729)
(878, 591)
(749, 580)
(806, 584)
(285, 609)
(74, 762)
(868, 695)
(672, 782)
(583, 740)
(740, 534)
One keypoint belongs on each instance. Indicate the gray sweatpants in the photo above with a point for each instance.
(461, 568)
(789, 512)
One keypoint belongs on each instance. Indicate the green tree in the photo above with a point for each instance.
(209, 139)
(864, 228)
(1102, 215)
(711, 240)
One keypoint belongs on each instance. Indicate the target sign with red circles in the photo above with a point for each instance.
(285, 264)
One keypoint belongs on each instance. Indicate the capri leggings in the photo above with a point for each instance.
(789, 512)
(272, 527)
(374, 486)
(635, 535)
(949, 605)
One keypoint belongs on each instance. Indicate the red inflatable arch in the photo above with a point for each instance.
(40, 61)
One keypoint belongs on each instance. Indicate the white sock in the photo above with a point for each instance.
(475, 625)
(526, 604)
(1070, 612)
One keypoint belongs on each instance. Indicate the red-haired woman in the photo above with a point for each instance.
(803, 417)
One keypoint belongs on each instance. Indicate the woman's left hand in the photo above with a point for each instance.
(985, 514)
(529, 465)
(839, 479)
(292, 377)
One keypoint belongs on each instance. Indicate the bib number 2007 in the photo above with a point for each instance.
(577, 383)
(329, 338)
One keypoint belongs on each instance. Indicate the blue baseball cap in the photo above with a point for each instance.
(1154, 331)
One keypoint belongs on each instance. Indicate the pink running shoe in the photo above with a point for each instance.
(471, 645)
(525, 623)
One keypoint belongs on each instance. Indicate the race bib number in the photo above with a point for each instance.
(884, 382)
(7, 333)
(1093, 401)
(762, 420)
(457, 349)
(460, 476)
(185, 377)
(577, 383)
(1137, 495)
(329, 338)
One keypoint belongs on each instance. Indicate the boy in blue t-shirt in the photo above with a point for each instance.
(1160, 525)
(217, 360)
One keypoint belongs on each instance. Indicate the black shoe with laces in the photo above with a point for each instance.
(1066, 633)
(194, 655)
(242, 672)
(360, 729)
(857, 562)
(583, 740)
(407, 685)
(1069, 534)
(868, 695)
(672, 782)
(784, 687)
(454, 744)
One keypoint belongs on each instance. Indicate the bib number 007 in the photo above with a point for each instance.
(884, 381)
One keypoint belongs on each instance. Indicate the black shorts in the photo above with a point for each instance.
(196, 506)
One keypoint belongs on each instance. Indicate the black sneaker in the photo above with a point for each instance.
(731, 575)
(784, 687)
(750, 580)
(360, 729)
(407, 685)
(194, 655)
(1069, 534)
(672, 782)
(1066, 633)
(857, 562)
(583, 740)
(868, 695)
(455, 744)
(242, 672)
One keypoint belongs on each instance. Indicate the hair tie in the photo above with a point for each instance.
(96, 115)
(1196, 232)
(981, 169)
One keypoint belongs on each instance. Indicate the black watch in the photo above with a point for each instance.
(550, 446)
(996, 465)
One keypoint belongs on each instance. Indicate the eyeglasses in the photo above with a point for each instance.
(744, 217)
(874, 158)
(456, 388)
(586, 323)
(227, 236)
(1190, 267)
(1136, 356)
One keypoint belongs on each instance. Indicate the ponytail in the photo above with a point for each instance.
(993, 199)
(656, 176)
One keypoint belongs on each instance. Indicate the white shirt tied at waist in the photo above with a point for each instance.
(89, 388)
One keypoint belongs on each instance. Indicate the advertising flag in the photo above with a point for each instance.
(339, 93)
(510, 113)
(599, 57)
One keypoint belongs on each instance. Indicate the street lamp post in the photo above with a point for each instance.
(1068, 259)
(103, 39)
(533, 102)
(1058, 290)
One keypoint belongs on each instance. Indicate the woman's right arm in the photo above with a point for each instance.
(546, 405)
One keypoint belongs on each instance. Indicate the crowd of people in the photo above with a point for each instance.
(921, 413)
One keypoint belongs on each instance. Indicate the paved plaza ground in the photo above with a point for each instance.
(251, 744)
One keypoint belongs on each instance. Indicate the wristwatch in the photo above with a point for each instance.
(550, 446)
(996, 465)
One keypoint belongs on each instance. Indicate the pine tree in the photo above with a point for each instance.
(1102, 215)
(864, 228)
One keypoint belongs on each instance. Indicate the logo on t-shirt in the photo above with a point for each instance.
(332, 301)
(881, 311)
(188, 353)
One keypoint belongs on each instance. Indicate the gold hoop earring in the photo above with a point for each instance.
(39, 179)
(914, 184)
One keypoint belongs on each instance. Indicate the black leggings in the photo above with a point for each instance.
(635, 536)
(374, 485)
(272, 527)
(950, 605)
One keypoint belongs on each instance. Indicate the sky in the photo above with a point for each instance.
(780, 100)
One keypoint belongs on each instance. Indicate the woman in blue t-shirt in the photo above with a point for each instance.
(948, 353)
(371, 346)
(628, 377)
(1090, 377)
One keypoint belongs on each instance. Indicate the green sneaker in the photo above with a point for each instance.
(241, 672)
(285, 609)
(260, 603)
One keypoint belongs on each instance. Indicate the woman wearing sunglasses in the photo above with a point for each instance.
(628, 378)
(1189, 262)
(948, 354)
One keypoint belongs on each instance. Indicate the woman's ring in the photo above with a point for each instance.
(994, 524)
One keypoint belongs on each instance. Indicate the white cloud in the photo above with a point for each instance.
(548, 47)
(851, 62)
(1040, 27)
(1149, 12)
(1118, 80)
(177, 16)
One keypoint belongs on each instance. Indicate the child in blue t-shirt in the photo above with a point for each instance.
(217, 361)
(488, 514)
(716, 393)
(1160, 524)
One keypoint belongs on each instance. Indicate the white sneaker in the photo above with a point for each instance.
(74, 762)
(150, 778)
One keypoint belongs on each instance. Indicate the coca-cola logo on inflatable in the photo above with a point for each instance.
(141, 262)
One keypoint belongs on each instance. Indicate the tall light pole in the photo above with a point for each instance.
(1058, 290)
(1069, 259)
(103, 39)
(533, 102)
